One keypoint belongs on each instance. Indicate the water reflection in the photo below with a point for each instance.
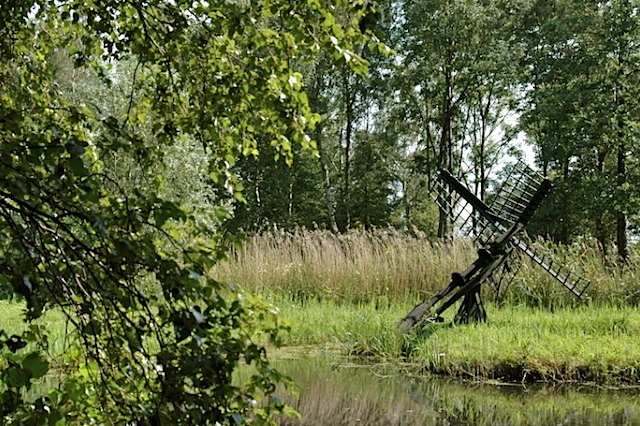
(334, 392)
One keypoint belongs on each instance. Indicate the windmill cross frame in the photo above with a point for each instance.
(506, 224)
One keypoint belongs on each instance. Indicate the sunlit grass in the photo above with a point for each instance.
(347, 293)
(583, 344)
(597, 344)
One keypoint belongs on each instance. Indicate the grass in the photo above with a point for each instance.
(386, 265)
(358, 266)
(595, 344)
(521, 344)
(347, 292)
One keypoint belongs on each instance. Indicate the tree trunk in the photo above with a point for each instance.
(621, 217)
(348, 131)
(601, 231)
(563, 234)
(446, 153)
(328, 193)
(316, 104)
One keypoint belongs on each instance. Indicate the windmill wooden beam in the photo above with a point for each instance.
(515, 206)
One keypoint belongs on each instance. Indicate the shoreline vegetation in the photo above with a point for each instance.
(347, 293)
(523, 345)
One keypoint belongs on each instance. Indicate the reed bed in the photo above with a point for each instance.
(387, 265)
(358, 266)
(348, 292)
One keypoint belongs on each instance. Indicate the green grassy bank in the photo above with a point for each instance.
(589, 344)
(586, 344)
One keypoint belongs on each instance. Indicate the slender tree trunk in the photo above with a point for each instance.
(348, 130)
(319, 107)
(446, 152)
(485, 110)
(328, 193)
(367, 199)
(483, 166)
(621, 217)
(563, 236)
(601, 231)
(406, 202)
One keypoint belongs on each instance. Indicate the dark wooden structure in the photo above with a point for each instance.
(497, 229)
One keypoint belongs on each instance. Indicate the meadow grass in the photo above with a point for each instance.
(517, 343)
(347, 293)
(357, 266)
(595, 343)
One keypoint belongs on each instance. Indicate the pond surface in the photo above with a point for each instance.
(335, 392)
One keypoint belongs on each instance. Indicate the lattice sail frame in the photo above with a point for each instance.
(509, 206)
(497, 230)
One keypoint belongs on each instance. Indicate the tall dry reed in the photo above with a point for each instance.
(356, 266)
(361, 266)
(610, 282)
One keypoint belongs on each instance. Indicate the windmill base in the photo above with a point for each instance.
(471, 309)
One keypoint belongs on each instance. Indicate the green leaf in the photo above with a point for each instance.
(17, 377)
(36, 365)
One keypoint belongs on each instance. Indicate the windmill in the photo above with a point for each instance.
(497, 230)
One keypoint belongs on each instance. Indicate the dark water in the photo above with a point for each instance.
(335, 392)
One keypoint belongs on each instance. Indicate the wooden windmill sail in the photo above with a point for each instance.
(497, 229)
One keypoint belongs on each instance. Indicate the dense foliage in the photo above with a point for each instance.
(474, 85)
(102, 107)
(583, 62)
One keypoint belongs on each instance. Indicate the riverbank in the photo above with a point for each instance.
(334, 391)
(348, 291)
(587, 344)
(594, 345)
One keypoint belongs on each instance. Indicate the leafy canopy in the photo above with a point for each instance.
(78, 239)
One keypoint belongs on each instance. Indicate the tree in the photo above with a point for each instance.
(320, 99)
(80, 241)
(278, 194)
(583, 113)
(456, 83)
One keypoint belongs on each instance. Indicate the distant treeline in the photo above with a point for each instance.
(469, 83)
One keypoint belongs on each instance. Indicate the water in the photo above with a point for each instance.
(335, 392)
